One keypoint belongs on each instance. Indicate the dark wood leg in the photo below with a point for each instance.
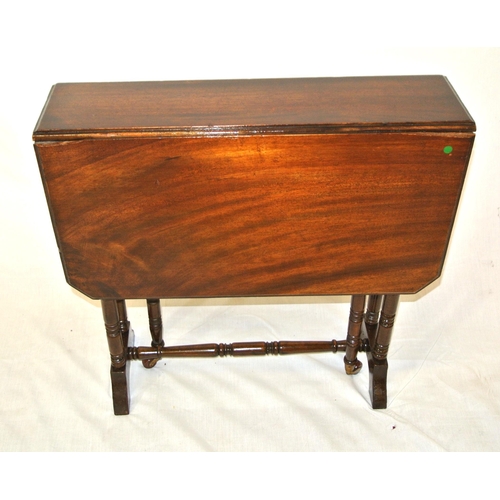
(373, 312)
(156, 329)
(118, 332)
(356, 314)
(379, 334)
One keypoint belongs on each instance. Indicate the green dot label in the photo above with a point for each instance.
(447, 150)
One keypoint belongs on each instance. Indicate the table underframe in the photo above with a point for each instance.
(370, 327)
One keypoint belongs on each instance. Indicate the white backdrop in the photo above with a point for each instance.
(444, 379)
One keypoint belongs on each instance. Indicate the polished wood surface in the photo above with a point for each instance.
(253, 187)
(233, 107)
(269, 215)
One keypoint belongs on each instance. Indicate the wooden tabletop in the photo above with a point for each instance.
(256, 187)
(242, 107)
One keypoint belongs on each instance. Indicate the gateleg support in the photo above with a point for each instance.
(356, 314)
(120, 382)
(156, 329)
(120, 336)
(379, 333)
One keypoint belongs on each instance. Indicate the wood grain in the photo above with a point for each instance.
(363, 213)
(235, 107)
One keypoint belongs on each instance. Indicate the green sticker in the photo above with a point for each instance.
(448, 149)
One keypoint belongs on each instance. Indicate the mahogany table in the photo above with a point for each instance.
(277, 187)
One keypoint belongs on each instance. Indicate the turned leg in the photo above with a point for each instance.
(379, 334)
(122, 316)
(351, 362)
(156, 329)
(117, 332)
(385, 327)
(373, 312)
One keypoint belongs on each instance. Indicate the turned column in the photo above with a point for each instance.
(356, 314)
(385, 327)
(156, 329)
(373, 310)
(118, 332)
(123, 319)
(114, 332)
